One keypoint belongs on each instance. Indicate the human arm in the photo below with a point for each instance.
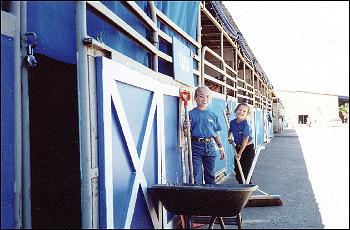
(230, 137)
(221, 148)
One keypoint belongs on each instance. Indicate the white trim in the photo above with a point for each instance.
(149, 124)
(142, 14)
(118, 105)
(156, 222)
(107, 119)
(117, 21)
(132, 202)
(127, 75)
(134, 78)
(155, 105)
(8, 24)
(161, 153)
(172, 25)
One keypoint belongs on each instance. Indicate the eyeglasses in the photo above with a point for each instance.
(203, 96)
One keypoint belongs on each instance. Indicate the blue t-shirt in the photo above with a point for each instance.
(204, 123)
(240, 130)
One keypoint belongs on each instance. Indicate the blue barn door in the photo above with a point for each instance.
(8, 123)
(132, 147)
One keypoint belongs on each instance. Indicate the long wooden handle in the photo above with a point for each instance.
(252, 167)
(241, 171)
(181, 147)
(189, 146)
(239, 165)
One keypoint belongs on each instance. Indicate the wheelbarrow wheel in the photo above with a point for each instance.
(239, 221)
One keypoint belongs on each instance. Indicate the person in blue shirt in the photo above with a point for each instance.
(204, 126)
(241, 131)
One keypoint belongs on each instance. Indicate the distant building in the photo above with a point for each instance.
(310, 108)
(279, 122)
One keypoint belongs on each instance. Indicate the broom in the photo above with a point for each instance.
(257, 200)
(254, 200)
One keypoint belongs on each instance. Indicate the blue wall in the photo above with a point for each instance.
(106, 32)
(172, 151)
(7, 132)
(217, 105)
(259, 127)
(54, 24)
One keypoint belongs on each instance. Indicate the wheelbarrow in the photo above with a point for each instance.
(205, 200)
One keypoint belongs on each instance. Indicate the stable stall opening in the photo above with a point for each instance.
(54, 145)
(302, 119)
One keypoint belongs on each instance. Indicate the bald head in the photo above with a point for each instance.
(202, 97)
(202, 90)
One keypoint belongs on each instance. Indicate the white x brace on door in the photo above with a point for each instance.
(120, 206)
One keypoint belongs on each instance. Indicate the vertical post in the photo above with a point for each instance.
(154, 35)
(84, 116)
(221, 43)
(27, 213)
(223, 67)
(94, 178)
(199, 40)
(204, 49)
(15, 9)
(244, 83)
(253, 81)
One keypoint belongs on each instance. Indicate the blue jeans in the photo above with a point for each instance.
(203, 153)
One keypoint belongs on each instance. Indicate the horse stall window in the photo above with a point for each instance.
(302, 119)
(54, 145)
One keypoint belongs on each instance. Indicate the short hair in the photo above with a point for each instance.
(200, 88)
(243, 104)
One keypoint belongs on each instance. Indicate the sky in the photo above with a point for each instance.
(301, 45)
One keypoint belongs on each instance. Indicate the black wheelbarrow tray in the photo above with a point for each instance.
(217, 200)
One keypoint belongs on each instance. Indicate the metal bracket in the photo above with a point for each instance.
(31, 42)
(93, 173)
(30, 61)
(87, 41)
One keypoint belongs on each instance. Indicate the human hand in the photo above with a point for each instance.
(186, 124)
(222, 155)
(230, 141)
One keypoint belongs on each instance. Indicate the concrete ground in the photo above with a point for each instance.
(309, 168)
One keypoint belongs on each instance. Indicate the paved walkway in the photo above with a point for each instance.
(283, 169)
